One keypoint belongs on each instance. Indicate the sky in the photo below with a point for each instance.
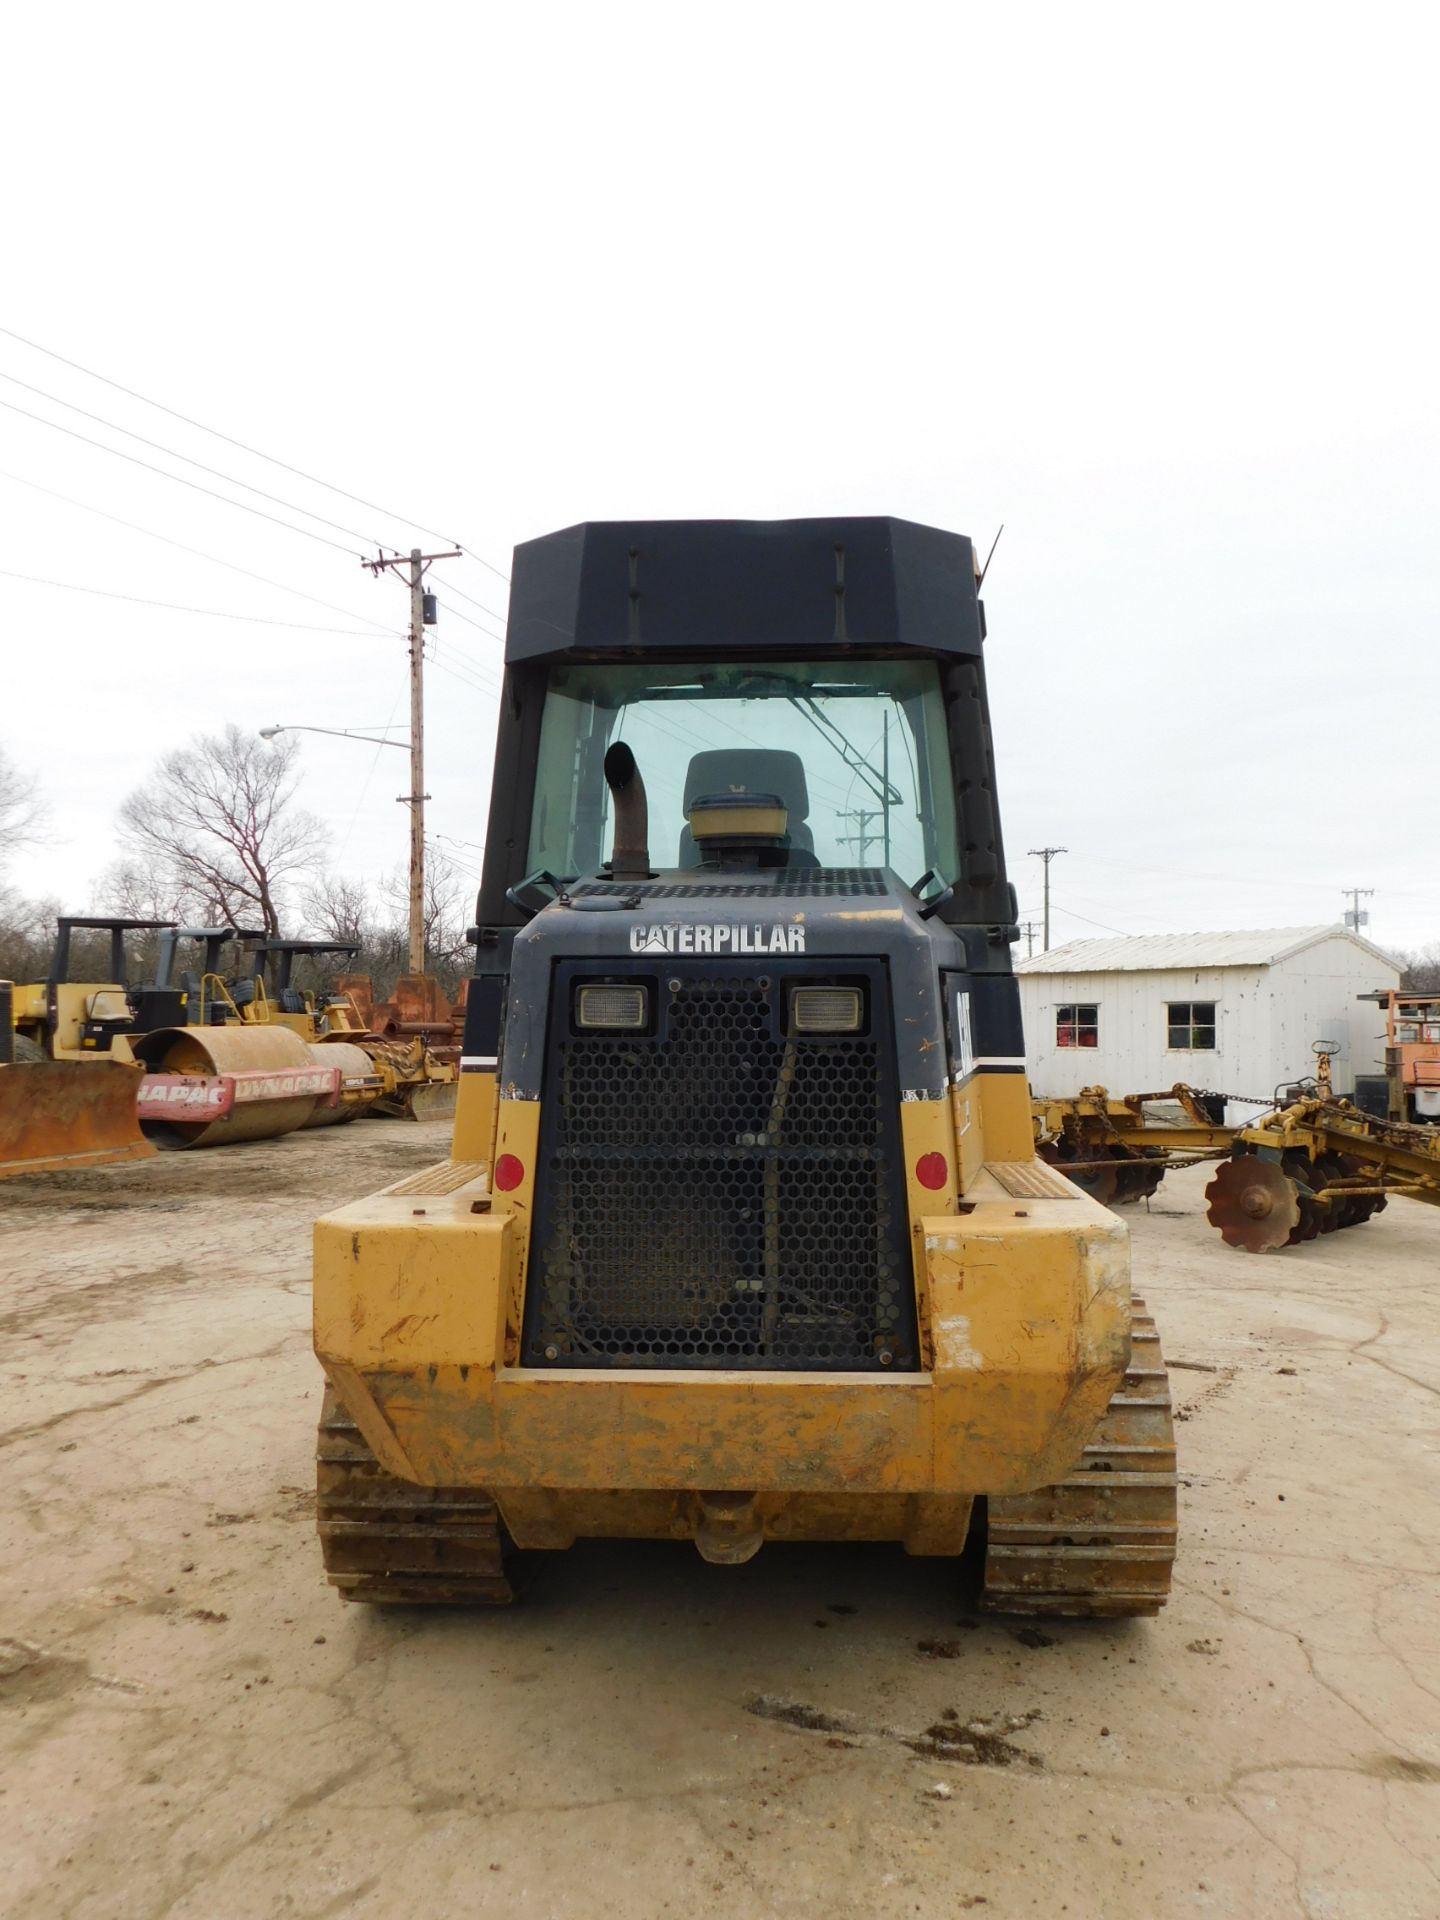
(1153, 287)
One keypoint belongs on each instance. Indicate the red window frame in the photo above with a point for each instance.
(1077, 1024)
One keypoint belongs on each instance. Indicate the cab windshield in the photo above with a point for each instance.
(856, 752)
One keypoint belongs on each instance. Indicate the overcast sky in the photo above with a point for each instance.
(1155, 287)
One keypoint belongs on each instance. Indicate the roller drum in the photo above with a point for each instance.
(212, 1051)
(360, 1083)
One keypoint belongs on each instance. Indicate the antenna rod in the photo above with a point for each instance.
(989, 557)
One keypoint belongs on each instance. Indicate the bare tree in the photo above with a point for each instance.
(26, 926)
(449, 897)
(1420, 971)
(218, 818)
(337, 908)
(141, 889)
(27, 936)
(22, 811)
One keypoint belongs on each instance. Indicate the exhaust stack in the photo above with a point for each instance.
(630, 855)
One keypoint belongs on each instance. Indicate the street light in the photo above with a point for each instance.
(417, 839)
(340, 733)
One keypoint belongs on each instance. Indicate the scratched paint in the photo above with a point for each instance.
(953, 1342)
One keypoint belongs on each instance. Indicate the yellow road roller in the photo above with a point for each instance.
(107, 1070)
(743, 1237)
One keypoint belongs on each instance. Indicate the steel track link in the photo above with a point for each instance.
(388, 1543)
(1102, 1542)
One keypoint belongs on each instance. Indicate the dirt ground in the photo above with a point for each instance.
(193, 1724)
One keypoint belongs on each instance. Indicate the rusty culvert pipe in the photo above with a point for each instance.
(630, 856)
(208, 1053)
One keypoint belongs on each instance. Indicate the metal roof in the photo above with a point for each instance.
(1157, 952)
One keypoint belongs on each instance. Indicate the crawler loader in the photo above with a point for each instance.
(69, 1086)
(744, 1237)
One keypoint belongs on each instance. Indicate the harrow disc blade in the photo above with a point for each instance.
(1253, 1203)
(1129, 1176)
(1099, 1182)
(1339, 1213)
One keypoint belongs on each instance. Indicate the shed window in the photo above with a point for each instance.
(1077, 1026)
(1192, 1026)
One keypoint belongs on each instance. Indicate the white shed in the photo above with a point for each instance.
(1237, 1013)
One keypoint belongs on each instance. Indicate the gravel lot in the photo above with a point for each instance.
(191, 1723)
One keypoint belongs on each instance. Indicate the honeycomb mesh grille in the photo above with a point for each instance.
(717, 1195)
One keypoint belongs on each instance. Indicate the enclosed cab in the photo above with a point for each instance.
(744, 1236)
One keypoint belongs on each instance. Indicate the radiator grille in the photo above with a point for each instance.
(818, 883)
(718, 1195)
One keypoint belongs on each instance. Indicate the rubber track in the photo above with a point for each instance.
(388, 1543)
(1102, 1542)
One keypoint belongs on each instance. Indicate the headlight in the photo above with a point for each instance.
(620, 1009)
(826, 1010)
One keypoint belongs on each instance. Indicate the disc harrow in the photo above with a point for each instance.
(1117, 1152)
(1314, 1167)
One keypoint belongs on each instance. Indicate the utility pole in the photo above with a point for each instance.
(1027, 927)
(422, 615)
(1047, 854)
(1356, 917)
(862, 839)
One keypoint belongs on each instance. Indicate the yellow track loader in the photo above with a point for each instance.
(59, 1115)
(744, 1237)
(68, 1078)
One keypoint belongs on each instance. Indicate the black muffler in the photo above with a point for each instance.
(630, 856)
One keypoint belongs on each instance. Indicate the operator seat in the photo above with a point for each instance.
(752, 770)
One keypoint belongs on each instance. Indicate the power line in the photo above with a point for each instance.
(178, 478)
(1089, 922)
(687, 738)
(477, 603)
(1047, 854)
(464, 675)
(464, 680)
(230, 565)
(461, 662)
(1190, 873)
(174, 453)
(375, 761)
(460, 866)
(486, 664)
(468, 621)
(171, 606)
(230, 440)
(480, 560)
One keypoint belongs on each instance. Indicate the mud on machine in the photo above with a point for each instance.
(744, 1236)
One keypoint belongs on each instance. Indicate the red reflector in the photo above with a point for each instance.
(931, 1170)
(509, 1172)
